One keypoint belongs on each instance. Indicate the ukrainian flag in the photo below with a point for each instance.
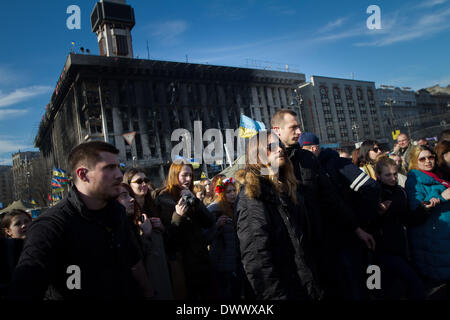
(59, 173)
(56, 184)
(249, 127)
(194, 162)
(62, 180)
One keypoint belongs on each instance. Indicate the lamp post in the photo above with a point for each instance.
(299, 99)
(408, 125)
(389, 102)
(355, 129)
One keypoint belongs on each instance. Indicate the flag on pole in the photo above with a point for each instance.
(194, 162)
(249, 127)
(56, 184)
(59, 172)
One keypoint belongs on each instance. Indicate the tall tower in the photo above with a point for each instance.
(112, 21)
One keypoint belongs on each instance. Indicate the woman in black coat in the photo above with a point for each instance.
(184, 217)
(390, 234)
(272, 225)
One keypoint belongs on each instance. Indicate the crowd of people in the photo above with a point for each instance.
(297, 223)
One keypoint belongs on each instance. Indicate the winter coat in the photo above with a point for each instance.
(430, 241)
(310, 185)
(274, 242)
(184, 235)
(360, 193)
(224, 250)
(390, 235)
(155, 259)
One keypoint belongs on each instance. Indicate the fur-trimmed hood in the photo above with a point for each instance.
(255, 185)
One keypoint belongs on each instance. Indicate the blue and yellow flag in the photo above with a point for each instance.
(59, 173)
(194, 162)
(249, 127)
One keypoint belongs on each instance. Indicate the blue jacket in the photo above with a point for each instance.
(430, 241)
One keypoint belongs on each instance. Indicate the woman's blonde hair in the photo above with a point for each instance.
(414, 156)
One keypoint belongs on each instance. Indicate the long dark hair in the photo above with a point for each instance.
(256, 160)
(363, 157)
(148, 200)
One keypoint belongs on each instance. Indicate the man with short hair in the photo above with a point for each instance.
(83, 247)
(404, 149)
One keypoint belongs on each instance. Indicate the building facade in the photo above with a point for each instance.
(6, 186)
(341, 111)
(22, 171)
(102, 98)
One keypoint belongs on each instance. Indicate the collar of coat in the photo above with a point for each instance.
(257, 186)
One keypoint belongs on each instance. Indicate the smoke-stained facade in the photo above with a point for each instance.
(101, 98)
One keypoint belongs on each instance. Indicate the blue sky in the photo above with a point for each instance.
(331, 39)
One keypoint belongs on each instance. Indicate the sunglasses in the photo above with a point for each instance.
(376, 149)
(274, 146)
(429, 158)
(140, 181)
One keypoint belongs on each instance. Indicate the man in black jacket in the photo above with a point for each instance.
(325, 207)
(83, 247)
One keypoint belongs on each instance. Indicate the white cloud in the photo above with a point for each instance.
(332, 25)
(431, 3)
(22, 94)
(9, 145)
(425, 26)
(7, 76)
(168, 32)
(9, 113)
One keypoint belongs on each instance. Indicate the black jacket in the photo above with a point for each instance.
(184, 235)
(389, 227)
(324, 205)
(274, 242)
(360, 193)
(100, 243)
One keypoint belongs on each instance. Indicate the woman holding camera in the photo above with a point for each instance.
(430, 241)
(184, 216)
(224, 250)
(146, 213)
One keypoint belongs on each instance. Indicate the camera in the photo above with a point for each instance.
(188, 197)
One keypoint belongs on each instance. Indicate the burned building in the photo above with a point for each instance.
(104, 97)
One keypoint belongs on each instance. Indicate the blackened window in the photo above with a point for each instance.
(121, 45)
